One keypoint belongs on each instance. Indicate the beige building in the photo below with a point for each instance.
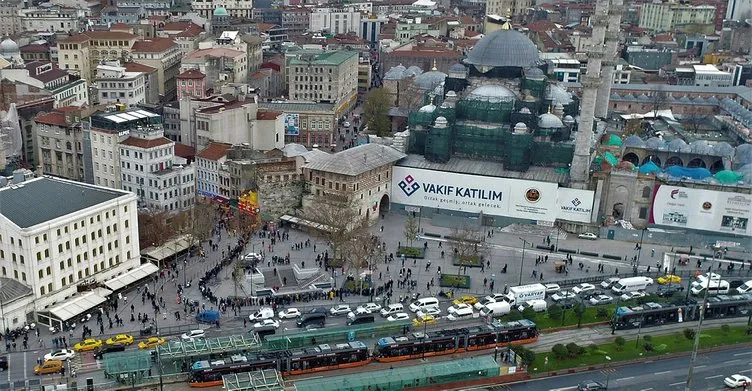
(672, 16)
(81, 53)
(327, 77)
(220, 65)
(10, 17)
(361, 175)
(508, 8)
(60, 141)
(234, 8)
(54, 19)
(164, 55)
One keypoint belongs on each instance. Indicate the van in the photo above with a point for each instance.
(208, 316)
(714, 287)
(745, 288)
(488, 299)
(261, 314)
(631, 284)
(360, 319)
(536, 305)
(50, 366)
(318, 319)
(461, 313)
(108, 349)
(496, 309)
(391, 309)
(424, 303)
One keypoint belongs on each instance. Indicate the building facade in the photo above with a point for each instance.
(60, 141)
(114, 84)
(671, 16)
(10, 17)
(164, 55)
(334, 20)
(208, 164)
(81, 53)
(328, 77)
(54, 19)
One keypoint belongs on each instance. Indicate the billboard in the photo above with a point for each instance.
(706, 210)
(292, 124)
(474, 194)
(575, 204)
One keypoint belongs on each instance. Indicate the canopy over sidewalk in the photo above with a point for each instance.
(171, 247)
(129, 277)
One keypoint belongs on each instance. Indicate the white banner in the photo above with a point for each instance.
(702, 209)
(575, 205)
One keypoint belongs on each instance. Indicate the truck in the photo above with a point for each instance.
(523, 293)
(495, 310)
(631, 284)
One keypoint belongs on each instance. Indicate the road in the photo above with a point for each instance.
(671, 374)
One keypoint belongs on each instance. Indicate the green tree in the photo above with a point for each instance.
(376, 112)
(554, 311)
(526, 355)
(560, 351)
(514, 315)
(620, 342)
(529, 313)
(411, 229)
(574, 350)
(689, 334)
(601, 313)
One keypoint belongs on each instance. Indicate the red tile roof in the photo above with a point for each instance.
(214, 151)
(191, 74)
(88, 35)
(193, 31)
(35, 48)
(264, 27)
(120, 27)
(267, 115)
(54, 118)
(176, 26)
(146, 144)
(185, 151)
(132, 66)
(153, 45)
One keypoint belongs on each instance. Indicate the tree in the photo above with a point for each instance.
(526, 355)
(560, 351)
(579, 309)
(659, 100)
(411, 229)
(468, 245)
(154, 228)
(529, 313)
(574, 350)
(201, 223)
(554, 311)
(410, 97)
(341, 221)
(376, 112)
(363, 251)
(619, 342)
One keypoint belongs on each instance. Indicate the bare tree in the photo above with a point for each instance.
(659, 100)
(468, 246)
(411, 229)
(340, 220)
(201, 223)
(410, 96)
(154, 228)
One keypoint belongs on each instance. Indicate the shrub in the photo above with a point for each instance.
(601, 313)
(529, 313)
(620, 342)
(574, 350)
(514, 315)
(560, 351)
(454, 281)
(526, 355)
(648, 347)
(725, 328)
(554, 311)
(648, 338)
(689, 334)
(410, 252)
(593, 347)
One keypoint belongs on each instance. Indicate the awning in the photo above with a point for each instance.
(132, 276)
(80, 304)
(170, 248)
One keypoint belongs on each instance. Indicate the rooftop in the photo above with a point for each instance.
(297, 107)
(214, 151)
(41, 200)
(486, 168)
(11, 289)
(214, 52)
(54, 118)
(337, 57)
(355, 161)
(191, 74)
(89, 35)
(153, 45)
(145, 143)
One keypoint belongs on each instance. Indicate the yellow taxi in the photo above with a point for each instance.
(120, 339)
(424, 320)
(466, 299)
(87, 345)
(669, 279)
(151, 342)
(49, 366)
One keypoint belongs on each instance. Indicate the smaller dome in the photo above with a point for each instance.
(534, 74)
(723, 149)
(427, 109)
(451, 94)
(676, 145)
(743, 155)
(441, 121)
(9, 47)
(559, 94)
(568, 120)
(549, 121)
(655, 143)
(492, 92)
(634, 142)
(429, 80)
(414, 70)
(220, 11)
(457, 68)
(520, 127)
(525, 110)
(701, 147)
(396, 73)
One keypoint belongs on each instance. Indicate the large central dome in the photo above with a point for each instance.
(504, 48)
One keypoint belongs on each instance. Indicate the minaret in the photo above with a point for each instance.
(580, 169)
(609, 62)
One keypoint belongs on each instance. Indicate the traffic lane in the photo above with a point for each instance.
(710, 369)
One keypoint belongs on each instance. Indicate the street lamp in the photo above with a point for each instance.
(608, 374)
(522, 260)
(704, 306)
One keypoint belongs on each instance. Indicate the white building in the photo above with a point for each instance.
(335, 20)
(707, 75)
(57, 236)
(116, 85)
(234, 8)
(208, 163)
(54, 19)
(149, 168)
(566, 70)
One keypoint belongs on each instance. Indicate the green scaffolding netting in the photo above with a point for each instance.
(485, 110)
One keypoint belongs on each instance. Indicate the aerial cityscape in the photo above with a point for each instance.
(289, 195)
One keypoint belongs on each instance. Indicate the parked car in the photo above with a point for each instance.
(588, 235)
(151, 342)
(120, 339)
(607, 283)
(87, 345)
(398, 316)
(601, 299)
(289, 313)
(371, 307)
(669, 279)
(340, 309)
(632, 295)
(584, 287)
(563, 295)
(552, 288)
(267, 323)
(590, 294)
(433, 311)
(737, 380)
(62, 355)
(51, 366)
(193, 335)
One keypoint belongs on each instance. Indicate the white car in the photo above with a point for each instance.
(193, 335)
(582, 288)
(267, 323)
(588, 236)
(457, 307)
(737, 380)
(433, 311)
(398, 316)
(563, 295)
(607, 283)
(346, 124)
(289, 313)
(340, 309)
(632, 295)
(62, 355)
(601, 299)
(371, 307)
(552, 288)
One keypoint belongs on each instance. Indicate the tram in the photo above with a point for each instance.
(322, 357)
(655, 314)
(436, 343)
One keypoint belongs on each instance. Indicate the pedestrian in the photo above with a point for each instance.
(541, 276)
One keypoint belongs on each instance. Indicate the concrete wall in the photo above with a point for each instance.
(279, 198)
(682, 239)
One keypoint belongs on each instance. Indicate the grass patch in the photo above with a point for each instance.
(411, 252)
(544, 320)
(661, 344)
(454, 281)
(468, 260)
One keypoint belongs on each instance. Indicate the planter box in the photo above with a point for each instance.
(454, 281)
(471, 261)
(411, 252)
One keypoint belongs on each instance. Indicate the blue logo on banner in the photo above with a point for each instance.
(408, 185)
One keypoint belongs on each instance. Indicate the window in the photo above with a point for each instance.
(49, 270)
(60, 248)
(23, 276)
(62, 265)
(41, 274)
(46, 253)
(646, 192)
(127, 239)
(643, 212)
(41, 290)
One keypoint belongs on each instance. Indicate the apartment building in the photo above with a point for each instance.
(326, 77)
(81, 53)
(220, 65)
(59, 138)
(234, 8)
(57, 235)
(191, 84)
(671, 16)
(335, 20)
(10, 17)
(66, 90)
(514, 9)
(164, 55)
(208, 164)
(297, 20)
(53, 20)
(114, 84)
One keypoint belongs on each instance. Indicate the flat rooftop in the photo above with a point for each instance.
(38, 200)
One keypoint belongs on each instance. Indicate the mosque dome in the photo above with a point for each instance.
(723, 149)
(743, 155)
(9, 49)
(701, 147)
(414, 70)
(534, 74)
(220, 11)
(457, 68)
(559, 94)
(396, 73)
(525, 110)
(491, 92)
(520, 128)
(430, 79)
(655, 143)
(429, 108)
(549, 121)
(634, 142)
(676, 145)
(504, 48)
(569, 120)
